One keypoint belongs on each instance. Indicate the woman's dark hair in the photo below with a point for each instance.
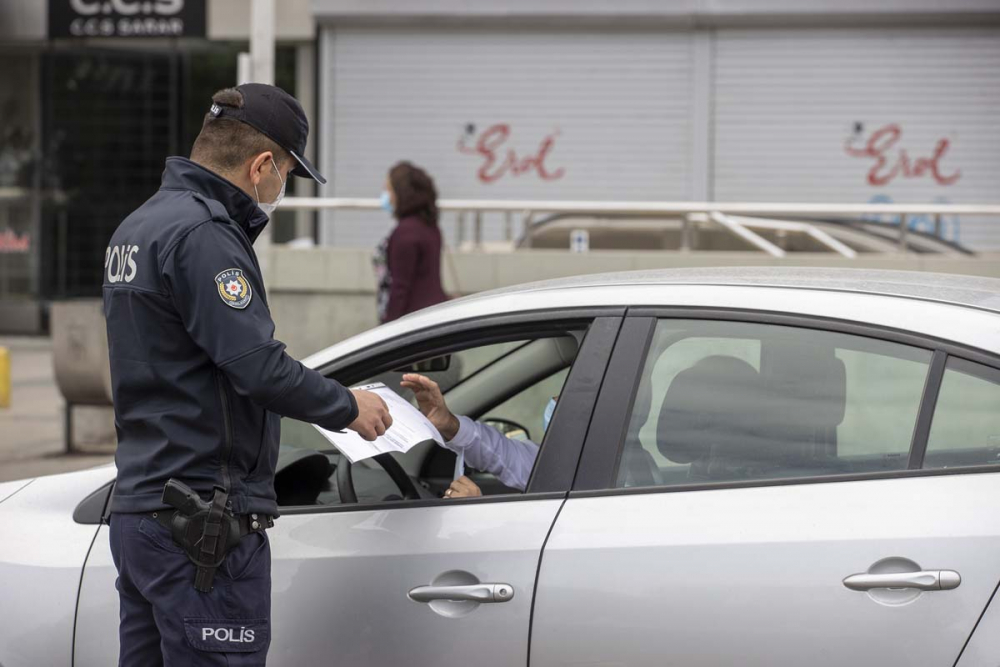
(415, 192)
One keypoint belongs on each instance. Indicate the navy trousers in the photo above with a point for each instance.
(165, 621)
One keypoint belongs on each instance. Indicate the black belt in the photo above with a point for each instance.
(248, 523)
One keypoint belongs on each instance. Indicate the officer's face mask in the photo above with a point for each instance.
(550, 408)
(268, 208)
(385, 201)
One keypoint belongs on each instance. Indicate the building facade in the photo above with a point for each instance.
(93, 97)
(840, 101)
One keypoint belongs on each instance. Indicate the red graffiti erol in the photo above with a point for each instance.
(889, 165)
(10, 242)
(498, 162)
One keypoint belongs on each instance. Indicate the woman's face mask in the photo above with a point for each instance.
(385, 201)
(268, 208)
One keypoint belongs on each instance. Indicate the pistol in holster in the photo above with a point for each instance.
(205, 530)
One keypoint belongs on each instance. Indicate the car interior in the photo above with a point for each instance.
(505, 385)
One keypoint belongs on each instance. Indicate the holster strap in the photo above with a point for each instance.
(241, 524)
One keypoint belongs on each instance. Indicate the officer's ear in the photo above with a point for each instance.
(260, 166)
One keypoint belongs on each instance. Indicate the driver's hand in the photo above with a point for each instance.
(463, 487)
(373, 415)
(431, 403)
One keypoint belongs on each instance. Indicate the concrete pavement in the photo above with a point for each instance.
(31, 429)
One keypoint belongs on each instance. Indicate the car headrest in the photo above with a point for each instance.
(710, 405)
(809, 382)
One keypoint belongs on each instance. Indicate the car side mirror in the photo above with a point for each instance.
(435, 365)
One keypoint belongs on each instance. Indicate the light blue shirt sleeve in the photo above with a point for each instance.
(487, 449)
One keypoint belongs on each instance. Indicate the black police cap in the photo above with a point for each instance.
(278, 116)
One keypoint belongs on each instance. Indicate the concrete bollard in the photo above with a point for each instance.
(80, 362)
(4, 377)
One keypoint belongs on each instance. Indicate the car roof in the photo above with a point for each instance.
(963, 309)
(962, 290)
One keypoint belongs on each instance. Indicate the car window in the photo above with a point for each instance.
(520, 417)
(509, 382)
(527, 408)
(965, 429)
(461, 365)
(732, 401)
(301, 435)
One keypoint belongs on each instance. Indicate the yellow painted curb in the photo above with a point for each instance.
(4, 378)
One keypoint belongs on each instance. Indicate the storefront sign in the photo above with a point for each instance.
(127, 18)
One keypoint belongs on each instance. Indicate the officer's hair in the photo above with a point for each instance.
(225, 144)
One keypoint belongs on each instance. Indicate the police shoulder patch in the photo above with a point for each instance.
(234, 288)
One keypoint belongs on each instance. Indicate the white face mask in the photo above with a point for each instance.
(268, 208)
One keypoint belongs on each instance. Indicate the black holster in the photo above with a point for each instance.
(206, 531)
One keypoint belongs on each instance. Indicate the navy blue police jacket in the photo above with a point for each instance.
(198, 379)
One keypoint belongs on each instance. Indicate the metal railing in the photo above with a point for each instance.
(733, 216)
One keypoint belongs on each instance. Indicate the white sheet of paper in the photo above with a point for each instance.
(409, 427)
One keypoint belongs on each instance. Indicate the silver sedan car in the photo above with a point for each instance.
(744, 467)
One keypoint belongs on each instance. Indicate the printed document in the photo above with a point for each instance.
(409, 427)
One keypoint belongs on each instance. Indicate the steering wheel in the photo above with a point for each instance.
(345, 480)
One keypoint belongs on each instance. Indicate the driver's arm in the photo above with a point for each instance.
(484, 446)
(488, 449)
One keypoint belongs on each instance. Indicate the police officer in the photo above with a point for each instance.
(199, 383)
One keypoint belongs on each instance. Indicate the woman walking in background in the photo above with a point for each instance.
(408, 261)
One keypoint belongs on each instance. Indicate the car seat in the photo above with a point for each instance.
(710, 418)
(805, 386)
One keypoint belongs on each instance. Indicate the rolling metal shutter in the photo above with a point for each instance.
(618, 108)
(796, 110)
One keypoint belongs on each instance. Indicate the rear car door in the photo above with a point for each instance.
(776, 494)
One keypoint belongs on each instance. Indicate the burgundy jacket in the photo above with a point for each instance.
(414, 261)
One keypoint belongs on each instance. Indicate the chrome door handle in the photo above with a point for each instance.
(928, 580)
(483, 593)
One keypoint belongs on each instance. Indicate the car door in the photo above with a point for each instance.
(758, 494)
(379, 583)
(343, 576)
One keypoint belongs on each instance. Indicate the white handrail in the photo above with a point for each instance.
(654, 207)
(804, 228)
(750, 237)
(724, 214)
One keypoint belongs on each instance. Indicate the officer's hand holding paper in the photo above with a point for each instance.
(373, 415)
(409, 427)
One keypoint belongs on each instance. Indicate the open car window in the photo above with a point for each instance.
(448, 370)
(507, 385)
(520, 417)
